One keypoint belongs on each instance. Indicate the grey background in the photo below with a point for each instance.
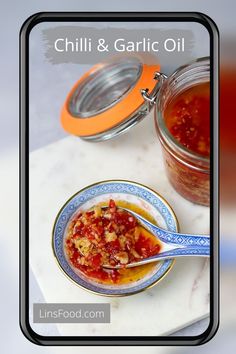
(51, 80)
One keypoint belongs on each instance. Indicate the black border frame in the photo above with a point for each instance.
(24, 175)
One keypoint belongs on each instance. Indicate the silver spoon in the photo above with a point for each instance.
(173, 244)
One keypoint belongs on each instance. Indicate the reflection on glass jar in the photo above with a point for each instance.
(182, 120)
(106, 102)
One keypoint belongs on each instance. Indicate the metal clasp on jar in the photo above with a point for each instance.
(151, 98)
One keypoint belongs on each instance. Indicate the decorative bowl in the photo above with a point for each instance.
(119, 190)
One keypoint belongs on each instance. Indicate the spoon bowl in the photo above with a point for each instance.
(173, 244)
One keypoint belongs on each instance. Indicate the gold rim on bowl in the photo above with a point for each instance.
(103, 182)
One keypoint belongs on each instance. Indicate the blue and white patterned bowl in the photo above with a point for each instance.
(132, 192)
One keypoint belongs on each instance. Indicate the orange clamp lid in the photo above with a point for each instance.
(74, 122)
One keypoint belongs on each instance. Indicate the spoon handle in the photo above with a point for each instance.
(169, 237)
(175, 253)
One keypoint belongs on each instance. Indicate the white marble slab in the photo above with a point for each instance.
(59, 170)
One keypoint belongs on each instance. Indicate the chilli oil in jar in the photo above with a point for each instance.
(183, 123)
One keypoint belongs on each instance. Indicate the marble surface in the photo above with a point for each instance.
(59, 170)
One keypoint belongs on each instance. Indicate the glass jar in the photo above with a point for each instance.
(188, 171)
(115, 95)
